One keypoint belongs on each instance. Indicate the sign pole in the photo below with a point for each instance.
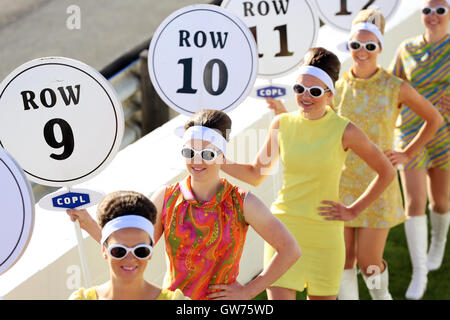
(276, 176)
(82, 252)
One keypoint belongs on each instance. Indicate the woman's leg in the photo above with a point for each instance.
(414, 187)
(279, 293)
(371, 243)
(439, 193)
(349, 283)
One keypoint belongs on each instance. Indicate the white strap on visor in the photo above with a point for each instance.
(128, 221)
(206, 134)
(318, 73)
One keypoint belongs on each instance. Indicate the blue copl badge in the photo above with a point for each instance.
(64, 199)
(71, 200)
(271, 92)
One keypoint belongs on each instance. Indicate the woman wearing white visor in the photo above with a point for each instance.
(371, 97)
(126, 219)
(204, 221)
(313, 143)
(424, 61)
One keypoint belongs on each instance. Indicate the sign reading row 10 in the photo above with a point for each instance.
(202, 57)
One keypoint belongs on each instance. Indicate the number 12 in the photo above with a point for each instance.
(345, 12)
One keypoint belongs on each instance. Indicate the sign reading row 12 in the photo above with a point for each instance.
(340, 13)
(60, 119)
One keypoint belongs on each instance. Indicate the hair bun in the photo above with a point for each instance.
(375, 18)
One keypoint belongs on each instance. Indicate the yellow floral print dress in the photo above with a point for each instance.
(372, 105)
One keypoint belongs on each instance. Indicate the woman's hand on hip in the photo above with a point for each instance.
(234, 291)
(337, 211)
(397, 157)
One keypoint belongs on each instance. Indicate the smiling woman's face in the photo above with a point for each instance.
(434, 22)
(197, 167)
(362, 57)
(129, 268)
(306, 102)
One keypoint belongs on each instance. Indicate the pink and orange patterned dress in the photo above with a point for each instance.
(204, 239)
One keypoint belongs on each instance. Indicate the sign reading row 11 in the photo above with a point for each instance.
(284, 30)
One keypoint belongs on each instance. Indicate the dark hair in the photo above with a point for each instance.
(213, 119)
(323, 59)
(123, 203)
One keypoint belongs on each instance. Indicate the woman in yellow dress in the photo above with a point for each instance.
(126, 218)
(371, 97)
(313, 143)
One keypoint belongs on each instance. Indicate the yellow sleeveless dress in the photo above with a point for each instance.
(313, 157)
(372, 105)
(91, 294)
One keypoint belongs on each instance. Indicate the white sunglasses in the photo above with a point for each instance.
(314, 91)
(119, 251)
(370, 46)
(206, 154)
(441, 10)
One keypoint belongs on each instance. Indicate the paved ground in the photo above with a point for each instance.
(31, 29)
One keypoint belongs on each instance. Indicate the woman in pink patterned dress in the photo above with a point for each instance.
(205, 219)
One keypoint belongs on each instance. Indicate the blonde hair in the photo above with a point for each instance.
(371, 16)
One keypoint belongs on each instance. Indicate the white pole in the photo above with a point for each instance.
(82, 253)
(276, 174)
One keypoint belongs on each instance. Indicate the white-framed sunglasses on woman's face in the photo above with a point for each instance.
(440, 11)
(314, 91)
(207, 154)
(356, 45)
(119, 251)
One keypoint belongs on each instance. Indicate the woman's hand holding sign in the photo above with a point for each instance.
(86, 222)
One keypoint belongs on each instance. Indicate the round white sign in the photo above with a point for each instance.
(60, 119)
(340, 13)
(202, 57)
(16, 211)
(284, 30)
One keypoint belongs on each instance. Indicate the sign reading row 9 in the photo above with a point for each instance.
(60, 119)
(202, 57)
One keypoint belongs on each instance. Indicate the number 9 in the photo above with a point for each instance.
(67, 138)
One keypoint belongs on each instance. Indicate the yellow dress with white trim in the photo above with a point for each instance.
(313, 157)
(372, 105)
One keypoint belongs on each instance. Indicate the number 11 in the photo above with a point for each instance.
(284, 51)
